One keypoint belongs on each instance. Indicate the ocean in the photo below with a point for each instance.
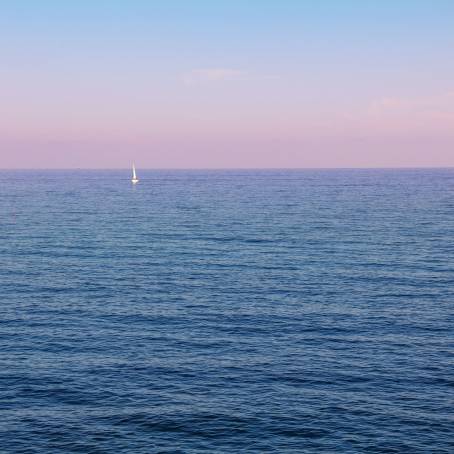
(287, 311)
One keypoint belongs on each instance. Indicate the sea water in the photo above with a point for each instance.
(227, 311)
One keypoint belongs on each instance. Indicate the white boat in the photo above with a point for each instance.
(134, 178)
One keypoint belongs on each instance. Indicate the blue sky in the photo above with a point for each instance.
(189, 77)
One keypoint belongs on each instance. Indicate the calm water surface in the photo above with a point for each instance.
(227, 312)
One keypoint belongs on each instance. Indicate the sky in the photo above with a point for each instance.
(226, 83)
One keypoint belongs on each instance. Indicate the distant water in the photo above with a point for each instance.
(227, 311)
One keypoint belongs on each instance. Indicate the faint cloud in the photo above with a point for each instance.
(220, 75)
(207, 75)
(436, 104)
(384, 105)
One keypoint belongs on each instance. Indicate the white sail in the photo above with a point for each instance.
(134, 176)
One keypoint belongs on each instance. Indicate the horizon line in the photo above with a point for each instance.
(233, 168)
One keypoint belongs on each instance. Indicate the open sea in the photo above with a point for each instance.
(232, 311)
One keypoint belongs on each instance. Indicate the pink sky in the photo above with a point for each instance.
(295, 86)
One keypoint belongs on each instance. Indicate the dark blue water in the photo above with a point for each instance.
(227, 312)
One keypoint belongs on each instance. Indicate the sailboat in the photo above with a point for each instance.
(134, 178)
